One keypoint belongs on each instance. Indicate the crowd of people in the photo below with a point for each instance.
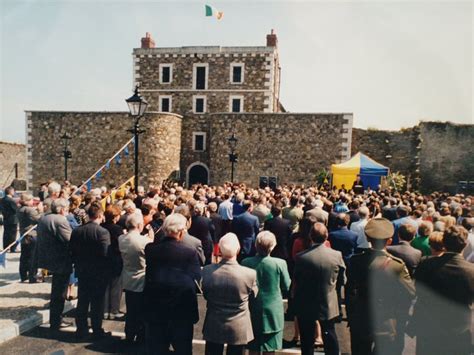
(390, 264)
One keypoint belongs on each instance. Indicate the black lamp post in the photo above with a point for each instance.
(137, 107)
(233, 158)
(66, 152)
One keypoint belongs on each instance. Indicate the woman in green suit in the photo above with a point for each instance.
(266, 310)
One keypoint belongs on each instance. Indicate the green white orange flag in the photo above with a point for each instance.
(212, 11)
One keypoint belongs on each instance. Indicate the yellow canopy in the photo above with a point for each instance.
(369, 170)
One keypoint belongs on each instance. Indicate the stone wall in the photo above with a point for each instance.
(395, 149)
(260, 86)
(292, 147)
(432, 155)
(446, 155)
(95, 137)
(11, 153)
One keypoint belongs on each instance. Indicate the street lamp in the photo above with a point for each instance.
(233, 158)
(66, 152)
(137, 107)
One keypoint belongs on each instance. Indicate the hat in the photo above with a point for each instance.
(379, 228)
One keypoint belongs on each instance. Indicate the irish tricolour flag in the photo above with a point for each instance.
(212, 11)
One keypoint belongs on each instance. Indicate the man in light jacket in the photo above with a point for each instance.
(132, 248)
(53, 254)
(228, 287)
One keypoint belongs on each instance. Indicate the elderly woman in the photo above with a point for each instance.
(267, 311)
(228, 287)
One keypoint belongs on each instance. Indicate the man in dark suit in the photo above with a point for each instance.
(317, 271)
(343, 239)
(379, 292)
(246, 227)
(188, 239)
(52, 249)
(404, 251)
(445, 293)
(172, 270)
(202, 229)
(89, 249)
(9, 208)
(282, 230)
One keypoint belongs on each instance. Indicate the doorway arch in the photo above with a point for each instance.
(197, 173)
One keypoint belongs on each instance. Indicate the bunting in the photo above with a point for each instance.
(117, 157)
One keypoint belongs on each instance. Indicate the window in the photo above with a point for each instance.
(200, 74)
(236, 73)
(236, 103)
(165, 103)
(166, 73)
(199, 141)
(199, 104)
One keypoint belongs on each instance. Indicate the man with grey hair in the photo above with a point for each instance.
(202, 229)
(228, 287)
(54, 189)
(28, 216)
(189, 239)
(172, 271)
(358, 228)
(53, 254)
(132, 249)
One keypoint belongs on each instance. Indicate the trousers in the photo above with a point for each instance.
(134, 323)
(113, 295)
(9, 235)
(27, 268)
(58, 297)
(178, 333)
(91, 292)
(218, 349)
(307, 329)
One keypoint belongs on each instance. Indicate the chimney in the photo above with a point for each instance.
(147, 41)
(272, 39)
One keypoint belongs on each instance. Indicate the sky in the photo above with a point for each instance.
(390, 63)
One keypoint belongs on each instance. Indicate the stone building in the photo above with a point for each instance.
(198, 97)
(12, 163)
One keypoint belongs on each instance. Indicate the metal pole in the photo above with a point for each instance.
(136, 130)
(16, 170)
(232, 170)
(65, 165)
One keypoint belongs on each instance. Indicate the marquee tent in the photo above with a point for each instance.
(369, 170)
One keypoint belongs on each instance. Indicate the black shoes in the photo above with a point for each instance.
(101, 335)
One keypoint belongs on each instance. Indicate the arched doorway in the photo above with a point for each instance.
(197, 173)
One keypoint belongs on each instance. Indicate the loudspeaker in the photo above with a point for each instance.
(273, 182)
(263, 182)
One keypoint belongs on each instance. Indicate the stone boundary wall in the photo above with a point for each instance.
(432, 155)
(11, 153)
(95, 137)
(446, 155)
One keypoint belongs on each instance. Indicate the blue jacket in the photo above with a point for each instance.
(345, 241)
(246, 227)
